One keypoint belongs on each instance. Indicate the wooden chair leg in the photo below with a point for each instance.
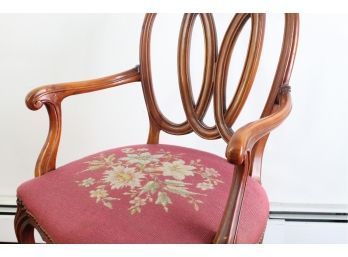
(23, 227)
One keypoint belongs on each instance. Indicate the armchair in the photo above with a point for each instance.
(157, 193)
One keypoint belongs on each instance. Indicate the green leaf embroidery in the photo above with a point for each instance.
(182, 191)
(107, 204)
(163, 199)
(151, 187)
(178, 183)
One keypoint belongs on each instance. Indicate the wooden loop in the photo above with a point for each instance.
(195, 114)
(225, 118)
(155, 114)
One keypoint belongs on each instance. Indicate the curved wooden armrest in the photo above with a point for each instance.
(52, 95)
(57, 92)
(243, 140)
(239, 153)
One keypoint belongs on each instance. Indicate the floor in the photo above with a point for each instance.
(278, 232)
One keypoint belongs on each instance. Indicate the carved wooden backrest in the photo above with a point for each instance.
(215, 74)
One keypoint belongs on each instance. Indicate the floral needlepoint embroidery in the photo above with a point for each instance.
(148, 178)
(102, 195)
(163, 199)
(99, 193)
(127, 150)
(120, 177)
(205, 186)
(142, 158)
(87, 182)
(177, 169)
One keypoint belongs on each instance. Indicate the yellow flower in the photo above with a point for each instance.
(177, 169)
(121, 176)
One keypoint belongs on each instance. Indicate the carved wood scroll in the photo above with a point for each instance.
(52, 96)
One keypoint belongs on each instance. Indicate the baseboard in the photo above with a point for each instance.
(7, 210)
(308, 207)
(309, 216)
(309, 212)
(7, 205)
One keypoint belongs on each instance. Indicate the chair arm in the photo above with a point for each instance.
(57, 92)
(244, 139)
(52, 95)
(239, 153)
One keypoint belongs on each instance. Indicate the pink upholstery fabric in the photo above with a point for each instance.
(142, 194)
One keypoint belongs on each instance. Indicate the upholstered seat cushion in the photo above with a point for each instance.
(141, 194)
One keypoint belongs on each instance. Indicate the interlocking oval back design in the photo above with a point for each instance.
(195, 113)
(215, 74)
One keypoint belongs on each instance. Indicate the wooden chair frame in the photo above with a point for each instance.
(245, 146)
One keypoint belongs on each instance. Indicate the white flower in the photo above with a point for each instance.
(127, 150)
(87, 182)
(177, 169)
(205, 186)
(143, 158)
(120, 177)
(210, 172)
(99, 193)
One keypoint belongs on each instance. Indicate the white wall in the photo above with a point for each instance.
(306, 158)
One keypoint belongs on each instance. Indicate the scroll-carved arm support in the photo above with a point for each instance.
(244, 139)
(52, 96)
(238, 152)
